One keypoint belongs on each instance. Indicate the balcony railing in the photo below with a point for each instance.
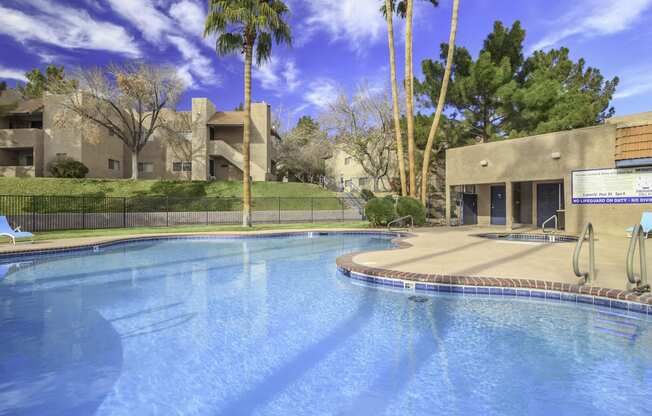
(20, 137)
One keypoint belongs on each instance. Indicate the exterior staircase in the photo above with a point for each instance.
(233, 155)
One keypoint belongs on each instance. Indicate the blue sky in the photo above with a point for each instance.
(337, 43)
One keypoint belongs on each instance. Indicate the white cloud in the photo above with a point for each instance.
(634, 82)
(357, 22)
(190, 16)
(277, 75)
(12, 73)
(196, 63)
(321, 93)
(591, 18)
(65, 27)
(144, 15)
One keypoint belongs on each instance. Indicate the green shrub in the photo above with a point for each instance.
(411, 206)
(68, 168)
(379, 211)
(366, 194)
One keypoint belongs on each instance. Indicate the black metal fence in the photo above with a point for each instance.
(43, 213)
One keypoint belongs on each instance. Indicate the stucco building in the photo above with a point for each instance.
(32, 136)
(601, 174)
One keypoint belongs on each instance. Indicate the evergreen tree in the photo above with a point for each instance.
(501, 94)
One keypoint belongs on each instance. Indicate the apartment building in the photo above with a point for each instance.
(32, 136)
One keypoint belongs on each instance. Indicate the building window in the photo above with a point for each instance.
(184, 166)
(347, 160)
(62, 154)
(363, 181)
(114, 164)
(145, 167)
(29, 160)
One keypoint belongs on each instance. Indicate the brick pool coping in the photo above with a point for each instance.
(615, 298)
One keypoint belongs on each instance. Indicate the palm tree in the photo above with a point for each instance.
(405, 9)
(247, 26)
(409, 96)
(440, 103)
(388, 10)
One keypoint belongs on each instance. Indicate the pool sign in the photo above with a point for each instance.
(612, 186)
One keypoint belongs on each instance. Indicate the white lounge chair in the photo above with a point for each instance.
(646, 223)
(13, 233)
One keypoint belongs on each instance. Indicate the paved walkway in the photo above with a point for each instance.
(455, 251)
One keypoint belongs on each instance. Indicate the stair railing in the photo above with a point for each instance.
(389, 225)
(543, 226)
(589, 276)
(639, 282)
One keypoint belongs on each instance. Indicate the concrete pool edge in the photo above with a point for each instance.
(614, 298)
(65, 245)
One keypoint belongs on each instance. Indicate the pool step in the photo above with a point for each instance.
(616, 324)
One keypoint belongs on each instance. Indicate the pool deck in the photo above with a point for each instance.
(456, 256)
(456, 251)
(451, 255)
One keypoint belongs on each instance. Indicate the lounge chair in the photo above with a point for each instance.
(13, 233)
(646, 223)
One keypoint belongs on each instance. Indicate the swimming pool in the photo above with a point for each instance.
(267, 326)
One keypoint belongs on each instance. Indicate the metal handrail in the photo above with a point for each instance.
(639, 282)
(590, 275)
(389, 225)
(543, 226)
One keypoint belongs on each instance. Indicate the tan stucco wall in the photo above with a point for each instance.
(94, 146)
(530, 159)
(202, 110)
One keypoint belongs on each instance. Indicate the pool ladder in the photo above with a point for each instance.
(589, 276)
(639, 282)
(389, 225)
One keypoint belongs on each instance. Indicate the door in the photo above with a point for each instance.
(498, 205)
(211, 168)
(469, 209)
(549, 200)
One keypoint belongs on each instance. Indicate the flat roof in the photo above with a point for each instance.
(227, 118)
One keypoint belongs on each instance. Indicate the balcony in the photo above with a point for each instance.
(15, 138)
(18, 171)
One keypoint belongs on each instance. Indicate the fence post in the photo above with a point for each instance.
(34, 213)
(279, 209)
(167, 211)
(342, 202)
(83, 212)
(312, 209)
(124, 212)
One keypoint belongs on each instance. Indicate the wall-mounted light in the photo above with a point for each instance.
(484, 163)
(555, 155)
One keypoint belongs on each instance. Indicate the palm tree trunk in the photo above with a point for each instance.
(134, 165)
(409, 98)
(397, 116)
(246, 137)
(440, 103)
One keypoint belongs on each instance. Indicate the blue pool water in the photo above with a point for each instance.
(267, 326)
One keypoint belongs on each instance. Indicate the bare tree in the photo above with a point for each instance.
(176, 134)
(302, 153)
(363, 129)
(127, 100)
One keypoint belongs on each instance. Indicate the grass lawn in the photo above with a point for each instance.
(55, 235)
(128, 188)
